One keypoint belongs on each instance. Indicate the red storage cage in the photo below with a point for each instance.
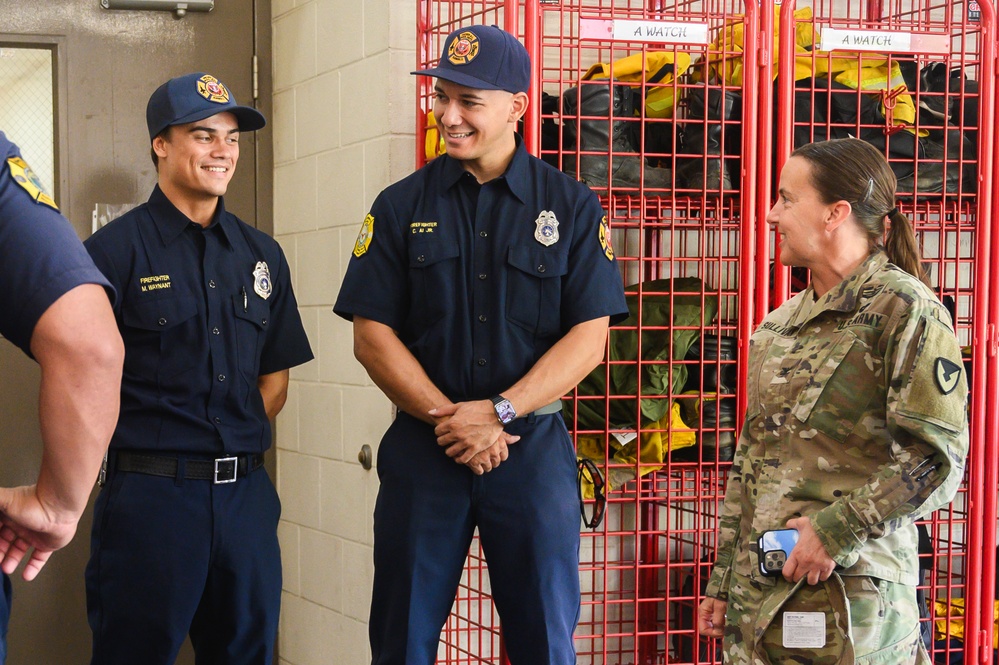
(916, 79)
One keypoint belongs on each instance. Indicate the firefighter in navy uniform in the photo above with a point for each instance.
(54, 306)
(480, 289)
(185, 529)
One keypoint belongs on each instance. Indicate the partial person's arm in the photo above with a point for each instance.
(927, 420)
(473, 426)
(77, 344)
(274, 389)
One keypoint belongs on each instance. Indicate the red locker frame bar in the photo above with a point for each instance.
(642, 569)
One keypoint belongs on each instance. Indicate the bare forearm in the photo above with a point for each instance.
(80, 353)
(561, 368)
(274, 391)
(395, 370)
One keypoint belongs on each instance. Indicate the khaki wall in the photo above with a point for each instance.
(343, 130)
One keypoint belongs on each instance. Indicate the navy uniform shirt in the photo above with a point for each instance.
(460, 272)
(41, 257)
(197, 327)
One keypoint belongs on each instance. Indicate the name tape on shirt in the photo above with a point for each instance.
(26, 178)
(422, 227)
(364, 237)
(154, 283)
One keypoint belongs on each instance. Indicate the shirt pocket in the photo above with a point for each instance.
(252, 318)
(836, 396)
(159, 336)
(432, 270)
(534, 289)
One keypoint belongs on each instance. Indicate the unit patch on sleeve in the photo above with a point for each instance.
(364, 237)
(26, 178)
(605, 239)
(547, 228)
(947, 375)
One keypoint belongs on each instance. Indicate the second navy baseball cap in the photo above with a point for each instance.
(483, 57)
(194, 97)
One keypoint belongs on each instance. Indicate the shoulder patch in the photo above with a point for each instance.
(365, 236)
(605, 239)
(26, 178)
(948, 374)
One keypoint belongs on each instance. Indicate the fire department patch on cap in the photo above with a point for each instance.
(364, 236)
(947, 373)
(26, 178)
(463, 48)
(605, 239)
(262, 280)
(547, 228)
(212, 89)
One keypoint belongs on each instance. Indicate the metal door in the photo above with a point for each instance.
(107, 62)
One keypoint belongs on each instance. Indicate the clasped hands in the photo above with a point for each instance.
(471, 435)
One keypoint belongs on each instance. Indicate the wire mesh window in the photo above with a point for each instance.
(27, 107)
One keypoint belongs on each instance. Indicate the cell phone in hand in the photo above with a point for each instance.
(774, 548)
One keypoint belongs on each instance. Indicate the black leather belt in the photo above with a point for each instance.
(219, 470)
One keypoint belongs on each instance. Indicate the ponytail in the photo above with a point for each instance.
(900, 245)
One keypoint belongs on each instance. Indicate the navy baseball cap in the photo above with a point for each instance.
(195, 97)
(483, 57)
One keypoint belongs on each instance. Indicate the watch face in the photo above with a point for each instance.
(505, 411)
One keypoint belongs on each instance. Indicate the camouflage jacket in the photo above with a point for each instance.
(856, 418)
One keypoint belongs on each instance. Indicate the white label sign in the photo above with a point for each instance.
(865, 40)
(661, 32)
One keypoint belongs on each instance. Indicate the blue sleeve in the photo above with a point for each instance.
(286, 345)
(41, 259)
(593, 286)
(375, 286)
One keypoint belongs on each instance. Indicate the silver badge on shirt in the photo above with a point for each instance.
(547, 228)
(262, 280)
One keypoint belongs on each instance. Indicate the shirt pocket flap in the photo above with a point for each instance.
(160, 314)
(538, 262)
(252, 309)
(426, 254)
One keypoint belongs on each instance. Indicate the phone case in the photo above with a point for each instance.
(774, 548)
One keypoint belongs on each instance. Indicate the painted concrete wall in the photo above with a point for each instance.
(343, 130)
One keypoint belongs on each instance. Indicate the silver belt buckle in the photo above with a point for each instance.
(225, 470)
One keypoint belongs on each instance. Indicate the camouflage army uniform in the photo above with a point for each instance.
(857, 419)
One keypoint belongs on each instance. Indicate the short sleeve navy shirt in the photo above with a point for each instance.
(479, 281)
(203, 312)
(41, 257)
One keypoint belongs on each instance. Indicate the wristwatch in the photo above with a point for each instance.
(504, 410)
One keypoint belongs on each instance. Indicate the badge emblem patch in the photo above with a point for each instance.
(212, 89)
(26, 178)
(365, 235)
(947, 374)
(463, 48)
(605, 239)
(262, 280)
(547, 228)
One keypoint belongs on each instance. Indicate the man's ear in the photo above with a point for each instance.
(518, 106)
(159, 145)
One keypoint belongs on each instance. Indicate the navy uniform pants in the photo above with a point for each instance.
(171, 557)
(527, 514)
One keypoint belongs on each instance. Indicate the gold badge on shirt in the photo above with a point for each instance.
(365, 235)
(26, 178)
(547, 228)
(262, 280)
(605, 239)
